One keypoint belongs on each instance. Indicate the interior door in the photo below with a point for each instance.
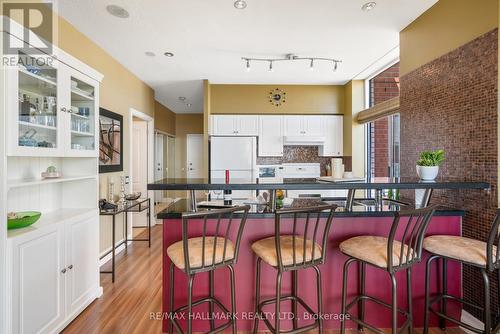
(159, 170)
(38, 283)
(194, 156)
(160, 153)
(140, 157)
(82, 261)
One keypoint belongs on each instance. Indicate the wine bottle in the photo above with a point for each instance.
(228, 200)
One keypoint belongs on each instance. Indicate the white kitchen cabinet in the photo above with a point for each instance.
(82, 260)
(333, 133)
(247, 125)
(313, 125)
(55, 273)
(303, 125)
(270, 136)
(53, 109)
(223, 125)
(38, 283)
(235, 125)
(293, 125)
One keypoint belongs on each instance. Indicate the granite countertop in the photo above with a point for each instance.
(311, 184)
(362, 208)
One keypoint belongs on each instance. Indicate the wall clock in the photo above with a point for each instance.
(277, 97)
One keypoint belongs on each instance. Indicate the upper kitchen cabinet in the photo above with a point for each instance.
(271, 136)
(235, 125)
(303, 125)
(332, 130)
(51, 108)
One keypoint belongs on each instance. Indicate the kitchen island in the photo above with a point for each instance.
(361, 217)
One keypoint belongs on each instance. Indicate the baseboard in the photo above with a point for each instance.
(75, 314)
(469, 319)
(110, 255)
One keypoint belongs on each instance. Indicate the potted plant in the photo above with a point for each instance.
(428, 164)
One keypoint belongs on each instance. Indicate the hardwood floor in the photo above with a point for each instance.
(126, 305)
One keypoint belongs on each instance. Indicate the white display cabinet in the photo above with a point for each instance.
(49, 117)
(52, 109)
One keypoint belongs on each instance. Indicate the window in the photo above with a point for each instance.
(383, 134)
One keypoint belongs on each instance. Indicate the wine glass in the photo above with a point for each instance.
(217, 193)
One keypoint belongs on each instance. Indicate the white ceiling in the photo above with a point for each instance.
(209, 37)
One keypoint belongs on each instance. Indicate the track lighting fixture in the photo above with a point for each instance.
(291, 57)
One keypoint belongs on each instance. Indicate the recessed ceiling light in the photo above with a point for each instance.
(368, 6)
(240, 4)
(182, 98)
(149, 54)
(169, 54)
(117, 11)
(189, 104)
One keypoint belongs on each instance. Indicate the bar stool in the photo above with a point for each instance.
(212, 250)
(304, 248)
(390, 255)
(482, 255)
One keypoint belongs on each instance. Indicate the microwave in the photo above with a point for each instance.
(270, 172)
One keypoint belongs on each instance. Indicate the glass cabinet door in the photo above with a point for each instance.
(83, 115)
(37, 117)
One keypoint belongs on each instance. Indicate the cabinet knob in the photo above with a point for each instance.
(63, 109)
(70, 267)
(63, 271)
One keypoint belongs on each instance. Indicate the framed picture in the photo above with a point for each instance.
(110, 141)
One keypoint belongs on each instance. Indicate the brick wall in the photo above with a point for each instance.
(451, 103)
(383, 87)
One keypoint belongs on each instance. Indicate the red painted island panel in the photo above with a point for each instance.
(377, 284)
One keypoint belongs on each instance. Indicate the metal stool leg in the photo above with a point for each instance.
(487, 302)
(428, 292)
(233, 298)
(257, 297)
(211, 295)
(344, 294)
(295, 279)
(410, 299)
(442, 321)
(172, 289)
(362, 291)
(190, 305)
(320, 299)
(498, 300)
(394, 304)
(278, 302)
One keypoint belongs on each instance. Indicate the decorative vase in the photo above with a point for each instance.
(427, 173)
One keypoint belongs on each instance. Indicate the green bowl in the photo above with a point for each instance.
(23, 219)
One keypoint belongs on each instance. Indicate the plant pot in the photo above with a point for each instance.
(427, 173)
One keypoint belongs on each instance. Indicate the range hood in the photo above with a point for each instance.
(303, 141)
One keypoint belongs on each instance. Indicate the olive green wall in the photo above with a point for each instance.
(254, 99)
(444, 27)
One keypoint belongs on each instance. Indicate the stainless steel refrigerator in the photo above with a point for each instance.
(239, 156)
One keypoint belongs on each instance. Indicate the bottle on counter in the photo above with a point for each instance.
(228, 200)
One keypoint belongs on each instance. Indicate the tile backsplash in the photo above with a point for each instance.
(302, 154)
